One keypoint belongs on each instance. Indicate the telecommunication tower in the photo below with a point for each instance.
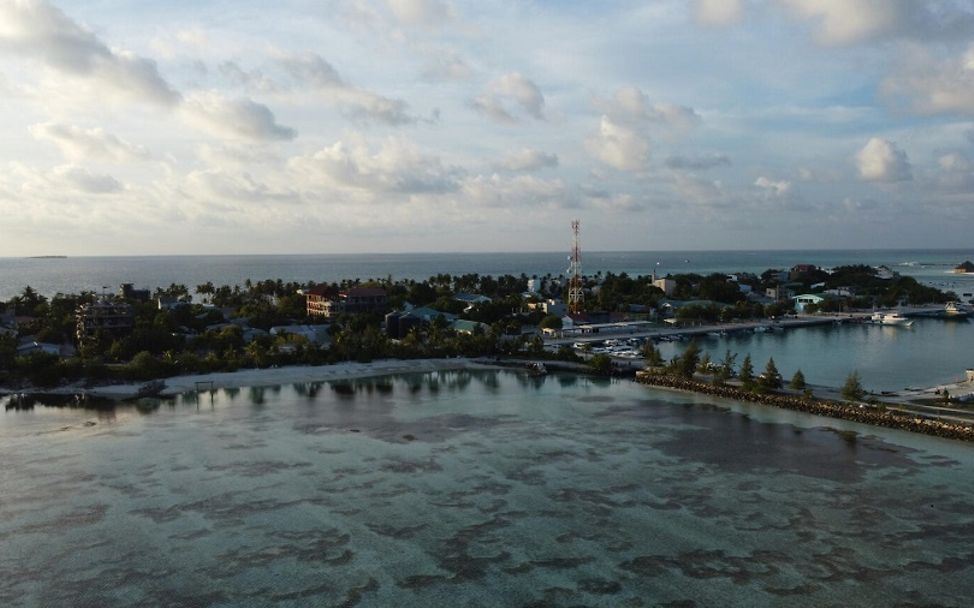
(576, 294)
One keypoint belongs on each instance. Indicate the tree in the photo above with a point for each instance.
(797, 381)
(551, 322)
(725, 370)
(601, 364)
(652, 354)
(705, 364)
(771, 378)
(746, 374)
(686, 364)
(852, 389)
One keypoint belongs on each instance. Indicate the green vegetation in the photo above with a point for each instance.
(746, 374)
(771, 378)
(852, 389)
(797, 381)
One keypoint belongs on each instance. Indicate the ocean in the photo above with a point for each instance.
(71, 275)
(476, 489)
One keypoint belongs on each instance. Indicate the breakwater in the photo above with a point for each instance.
(864, 413)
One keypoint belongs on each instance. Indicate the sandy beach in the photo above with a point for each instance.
(274, 376)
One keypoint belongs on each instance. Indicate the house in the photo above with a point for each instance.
(471, 299)
(842, 292)
(803, 300)
(799, 270)
(171, 303)
(779, 293)
(105, 316)
(318, 335)
(534, 285)
(323, 302)
(39, 347)
(463, 326)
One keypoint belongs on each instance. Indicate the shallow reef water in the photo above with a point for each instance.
(476, 489)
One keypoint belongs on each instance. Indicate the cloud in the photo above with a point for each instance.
(528, 159)
(313, 71)
(518, 192)
(629, 105)
(77, 143)
(718, 12)
(240, 118)
(880, 160)
(396, 167)
(956, 173)
(421, 12)
(773, 187)
(253, 80)
(619, 146)
(221, 184)
(36, 29)
(508, 92)
(447, 66)
(935, 86)
(845, 22)
(698, 163)
(85, 181)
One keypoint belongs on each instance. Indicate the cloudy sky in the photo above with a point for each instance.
(231, 126)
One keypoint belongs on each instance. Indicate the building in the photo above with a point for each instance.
(471, 300)
(127, 291)
(803, 300)
(534, 285)
(799, 270)
(106, 316)
(667, 286)
(318, 301)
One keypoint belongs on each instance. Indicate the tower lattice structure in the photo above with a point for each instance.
(576, 295)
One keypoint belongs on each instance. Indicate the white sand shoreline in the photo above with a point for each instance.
(270, 377)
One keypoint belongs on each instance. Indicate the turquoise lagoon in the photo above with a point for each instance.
(476, 489)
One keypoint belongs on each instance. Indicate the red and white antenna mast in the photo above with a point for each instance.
(576, 294)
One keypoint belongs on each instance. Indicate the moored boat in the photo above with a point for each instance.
(891, 318)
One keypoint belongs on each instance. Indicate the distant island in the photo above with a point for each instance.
(46, 257)
(965, 268)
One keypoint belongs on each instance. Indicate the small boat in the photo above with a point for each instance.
(537, 368)
(956, 310)
(891, 318)
(760, 329)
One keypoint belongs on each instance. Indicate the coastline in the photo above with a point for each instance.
(863, 413)
(292, 374)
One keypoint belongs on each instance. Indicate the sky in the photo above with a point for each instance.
(143, 127)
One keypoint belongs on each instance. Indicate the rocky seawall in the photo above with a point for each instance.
(864, 413)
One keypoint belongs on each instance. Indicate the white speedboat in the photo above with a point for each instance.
(891, 318)
(956, 310)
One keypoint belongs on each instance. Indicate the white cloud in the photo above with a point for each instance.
(396, 167)
(36, 29)
(956, 174)
(881, 160)
(507, 92)
(773, 187)
(421, 12)
(528, 159)
(933, 85)
(619, 146)
(312, 70)
(518, 192)
(718, 12)
(85, 181)
(235, 118)
(630, 104)
(844, 22)
(77, 143)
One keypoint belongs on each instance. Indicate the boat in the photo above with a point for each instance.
(760, 329)
(537, 368)
(956, 310)
(891, 318)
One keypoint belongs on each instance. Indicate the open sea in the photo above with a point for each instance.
(71, 275)
(476, 489)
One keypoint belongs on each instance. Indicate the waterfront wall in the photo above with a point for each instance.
(855, 412)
